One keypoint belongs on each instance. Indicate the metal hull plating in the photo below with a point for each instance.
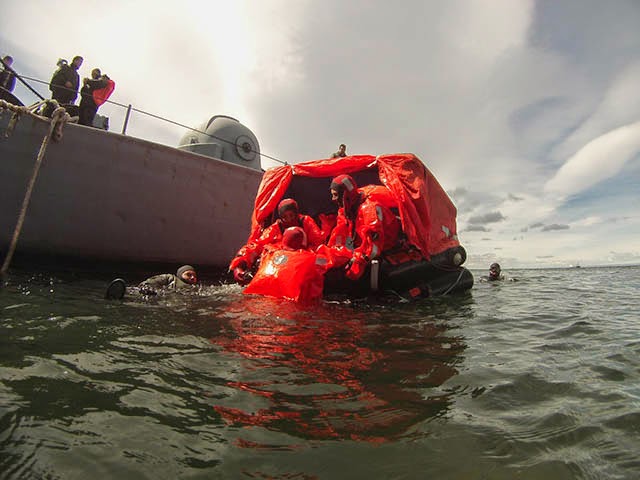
(106, 196)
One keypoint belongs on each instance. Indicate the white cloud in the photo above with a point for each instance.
(613, 109)
(588, 222)
(185, 62)
(599, 159)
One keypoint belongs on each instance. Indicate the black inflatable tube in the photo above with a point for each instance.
(413, 279)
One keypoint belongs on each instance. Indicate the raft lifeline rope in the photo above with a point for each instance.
(58, 119)
(454, 283)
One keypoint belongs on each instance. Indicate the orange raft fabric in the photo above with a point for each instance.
(428, 216)
(296, 275)
(101, 95)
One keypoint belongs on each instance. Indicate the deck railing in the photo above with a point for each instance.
(129, 109)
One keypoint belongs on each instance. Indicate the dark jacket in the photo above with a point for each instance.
(86, 93)
(167, 281)
(7, 80)
(65, 95)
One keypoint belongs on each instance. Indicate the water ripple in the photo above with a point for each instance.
(531, 379)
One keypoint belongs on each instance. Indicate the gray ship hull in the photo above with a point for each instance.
(110, 197)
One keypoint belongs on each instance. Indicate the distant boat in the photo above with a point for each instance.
(108, 196)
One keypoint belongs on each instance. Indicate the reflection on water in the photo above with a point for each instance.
(334, 373)
(533, 379)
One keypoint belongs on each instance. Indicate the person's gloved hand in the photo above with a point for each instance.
(241, 276)
(356, 266)
(238, 261)
(327, 222)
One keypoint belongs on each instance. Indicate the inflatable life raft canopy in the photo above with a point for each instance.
(427, 214)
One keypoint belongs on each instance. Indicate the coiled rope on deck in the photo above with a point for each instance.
(58, 119)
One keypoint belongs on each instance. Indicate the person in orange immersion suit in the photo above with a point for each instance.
(289, 270)
(290, 216)
(366, 226)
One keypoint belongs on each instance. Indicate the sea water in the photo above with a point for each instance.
(534, 379)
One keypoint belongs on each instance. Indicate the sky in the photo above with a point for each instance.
(527, 112)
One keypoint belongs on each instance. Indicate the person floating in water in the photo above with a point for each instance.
(495, 274)
(342, 151)
(184, 278)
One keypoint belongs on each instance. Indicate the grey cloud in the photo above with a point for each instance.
(467, 200)
(477, 228)
(458, 193)
(555, 226)
(536, 225)
(623, 257)
(373, 85)
(491, 217)
(522, 117)
(514, 198)
(588, 31)
(348, 77)
(617, 219)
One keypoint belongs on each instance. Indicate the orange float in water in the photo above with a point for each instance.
(296, 275)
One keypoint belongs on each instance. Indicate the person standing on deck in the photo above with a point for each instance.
(94, 93)
(342, 151)
(7, 77)
(65, 81)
